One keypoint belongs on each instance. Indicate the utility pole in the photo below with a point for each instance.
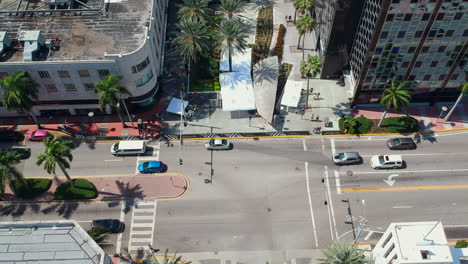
(181, 124)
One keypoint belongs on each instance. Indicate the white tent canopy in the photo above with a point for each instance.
(292, 93)
(175, 105)
(237, 91)
(241, 60)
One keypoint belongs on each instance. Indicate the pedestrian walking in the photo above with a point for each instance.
(286, 18)
(318, 118)
(290, 18)
(312, 117)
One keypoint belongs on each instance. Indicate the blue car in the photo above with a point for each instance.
(151, 167)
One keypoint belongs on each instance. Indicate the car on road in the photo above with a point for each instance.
(401, 143)
(24, 153)
(151, 167)
(347, 158)
(37, 135)
(11, 135)
(218, 144)
(111, 225)
(386, 162)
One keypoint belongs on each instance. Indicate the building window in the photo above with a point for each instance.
(401, 34)
(434, 64)
(89, 86)
(51, 88)
(449, 33)
(3, 75)
(432, 33)
(389, 250)
(449, 63)
(145, 79)
(418, 64)
(405, 64)
(103, 73)
(418, 34)
(141, 66)
(407, 17)
(454, 77)
(384, 34)
(412, 77)
(427, 77)
(425, 16)
(442, 77)
(440, 16)
(465, 33)
(84, 73)
(425, 254)
(64, 74)
(441, 49)
(425, 49)
(70, 87)
(458, 16)
(44, 74)
(390, 17)
(395, 50)
(378, 50)
(411, 49)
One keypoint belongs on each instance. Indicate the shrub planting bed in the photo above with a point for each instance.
(263, 36)
(30, 188)
(362, 125)
(83, 189)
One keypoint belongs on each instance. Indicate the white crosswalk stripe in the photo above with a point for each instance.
(142, 225)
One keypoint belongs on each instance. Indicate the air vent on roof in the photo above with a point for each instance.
(31, 42)
(5, 41)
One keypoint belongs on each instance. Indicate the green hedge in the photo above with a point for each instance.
(280, 41)
(363, 125)
(402, 124)
(30, 188)
(263, 36)
(83, 189)
(206, 86)
(461, 244)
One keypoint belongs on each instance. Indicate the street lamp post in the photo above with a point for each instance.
(444, 111)
(91, 116)
(180, 127)
(350, 216)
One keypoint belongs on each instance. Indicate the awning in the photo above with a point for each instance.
(292, 93)
(237, 91)
(175, 105)
(265, 74)
(241, 61)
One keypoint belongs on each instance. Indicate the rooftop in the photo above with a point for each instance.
(48, 242)
(97, 27)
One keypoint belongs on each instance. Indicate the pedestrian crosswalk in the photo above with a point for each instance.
(142, 226)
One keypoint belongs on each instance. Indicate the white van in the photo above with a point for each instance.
(129, 147)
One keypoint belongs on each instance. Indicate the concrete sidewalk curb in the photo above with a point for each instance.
(393, 134)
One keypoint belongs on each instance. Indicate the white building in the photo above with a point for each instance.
(67, 46)
(413, 242)
(48, 242)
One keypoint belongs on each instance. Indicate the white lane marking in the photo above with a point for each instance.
(369, 235)
(114, 160)
(419, 154)
(85, 221)
(330, 201)
(310, 203)
(120, 235)
(455, 225)
(390, 181)
(304, 144)
(403, 171)
(323, 145)
(338, 184)
(402, 207)
(332, 142)
(344, 140)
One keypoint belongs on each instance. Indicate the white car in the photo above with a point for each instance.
(218, 144)
(386, 162)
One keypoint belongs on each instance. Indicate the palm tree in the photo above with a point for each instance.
(99, 235)
(108, 90)
(310, 68)
(396, 96)
(57, 152)
(304, 25)
(302, 6)
(231, 7)
(8, 172)
(232, 37)
(167, 259)
(464, 91)
(191, 41)
(342, 253)
(194, 9)
(19, 92)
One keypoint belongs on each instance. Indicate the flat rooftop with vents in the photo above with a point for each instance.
(58, 30)
(48, 242)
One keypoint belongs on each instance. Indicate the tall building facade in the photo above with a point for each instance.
(67, 46)
(336, 25)
(421, 41)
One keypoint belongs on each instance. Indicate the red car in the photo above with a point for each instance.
(37, 135)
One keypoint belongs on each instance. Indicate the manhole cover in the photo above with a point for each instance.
(349, 173)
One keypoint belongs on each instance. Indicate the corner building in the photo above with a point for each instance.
(422, 41)
(67, 46)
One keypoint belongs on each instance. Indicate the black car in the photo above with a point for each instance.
(401, 143)
(112, 225)
(11, 135)
(24, 153)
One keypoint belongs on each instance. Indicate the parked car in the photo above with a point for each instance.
(386, 162)
(218, 144)
(37, 135)
(24, 153)
(151, 167)
(346, 158)
(11, 135)
(112, 225)
(401, 143)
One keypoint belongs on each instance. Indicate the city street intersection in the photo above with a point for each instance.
(273, 199)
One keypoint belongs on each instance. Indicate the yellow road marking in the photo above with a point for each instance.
(405, 188)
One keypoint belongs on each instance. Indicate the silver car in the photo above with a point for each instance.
(218, 144)
(347, 158)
